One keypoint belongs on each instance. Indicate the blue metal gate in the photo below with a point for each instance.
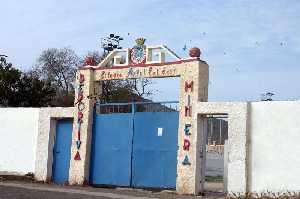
(135, 144)
(111, 149)
(62, 151)
(155, 149)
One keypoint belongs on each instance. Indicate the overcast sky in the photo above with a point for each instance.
(251, 46)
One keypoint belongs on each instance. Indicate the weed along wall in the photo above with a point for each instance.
(193, 75)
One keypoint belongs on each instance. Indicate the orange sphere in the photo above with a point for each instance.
(88, 61)
(194, 52)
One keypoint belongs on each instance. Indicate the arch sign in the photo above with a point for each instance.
(139, 62)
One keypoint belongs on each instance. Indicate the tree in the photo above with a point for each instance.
(58, 66)
(140, 87)
(35, 92)
(9, 82)
(121, 90)
(22, 89)
(96, 56)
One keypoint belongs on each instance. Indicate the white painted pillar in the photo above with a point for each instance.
(79, 168)
(190, 160)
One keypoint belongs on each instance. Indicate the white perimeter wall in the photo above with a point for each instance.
(18, 139)
(275, 148)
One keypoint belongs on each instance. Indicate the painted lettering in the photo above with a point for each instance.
(187, 129)
(186, 161)
(188, 111)
(188, 86)
(186, 145)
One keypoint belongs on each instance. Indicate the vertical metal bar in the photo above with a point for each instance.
(132, 108)
(132, 141)
(211, 130)
(220, 135)
(203, 126)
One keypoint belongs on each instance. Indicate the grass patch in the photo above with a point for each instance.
(214, 178)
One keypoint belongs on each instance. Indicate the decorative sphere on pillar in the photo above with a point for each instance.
(194, 52)
(88, 61)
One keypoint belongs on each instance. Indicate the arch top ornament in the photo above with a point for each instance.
(140, 54)
(142, 61)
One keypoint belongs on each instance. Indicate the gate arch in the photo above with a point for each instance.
(193, 74)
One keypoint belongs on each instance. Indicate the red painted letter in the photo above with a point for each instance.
(186, 145)
(188, 86)
(188, 111)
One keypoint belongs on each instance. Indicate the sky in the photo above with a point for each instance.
(252, 47)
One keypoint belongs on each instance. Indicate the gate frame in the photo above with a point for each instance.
(45, 140)
(193, 74)
(236, 176)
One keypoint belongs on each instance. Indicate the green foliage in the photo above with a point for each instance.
(35, 92)
(51, 82)
(21, 89)
(9, 83)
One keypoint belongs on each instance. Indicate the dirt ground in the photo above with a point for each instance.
(31, 190)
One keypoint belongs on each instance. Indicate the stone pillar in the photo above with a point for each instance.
(238, 150)
(191, 151)
(82, 131)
